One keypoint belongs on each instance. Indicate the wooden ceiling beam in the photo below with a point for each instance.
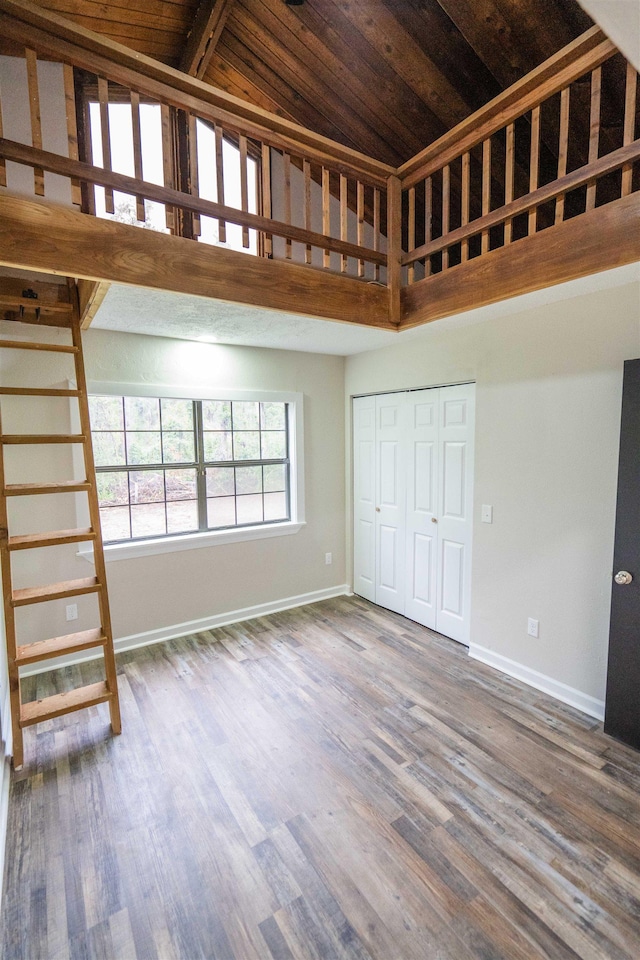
(202, 40)
(50, 238)
(91, 293)
(602, 239)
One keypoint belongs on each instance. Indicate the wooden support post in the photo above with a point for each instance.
(534, 166)
(394, 246)
(629, 125)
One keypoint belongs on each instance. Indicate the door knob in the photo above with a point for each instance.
(623, 577)
(434, 519)
(377, 509)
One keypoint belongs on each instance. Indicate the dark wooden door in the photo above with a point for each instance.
(622, 710)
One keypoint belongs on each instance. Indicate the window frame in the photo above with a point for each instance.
(169, 543)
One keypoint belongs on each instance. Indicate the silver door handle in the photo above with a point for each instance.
(623, 577)
(377, 509)
(434, 519)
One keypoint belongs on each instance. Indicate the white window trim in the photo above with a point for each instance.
(209, 538)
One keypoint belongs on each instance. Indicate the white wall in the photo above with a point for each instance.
(17, 124)
(548, 410)
(620, 20)
(152, 592)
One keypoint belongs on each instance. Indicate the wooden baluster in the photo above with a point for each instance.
(360, 215)
(508, 179)
(3, 165)
(343, 219)
(103, 98)
(72, 128)
(244, 185)
(286, 158)
(563, 149)
(466, 171)
(376, 229)
(222, 226)
(446, 209)
(428, 220)
(137, 151)
(87, 153)
(36, 123)
(534, 166)
(594, 131)
(306, 169)
(326, 216)
(394, 248)
(411, 232)
(267, 210)
(629, 125)
(193, 171)
(486, 191)
(167, 163)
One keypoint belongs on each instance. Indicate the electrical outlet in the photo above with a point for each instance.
(533, 627)
(72, 611)
(328, 558)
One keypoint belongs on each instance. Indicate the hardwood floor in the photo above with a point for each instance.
(329, 782)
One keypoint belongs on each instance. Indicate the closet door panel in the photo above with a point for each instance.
(421, 479)
(455, 443)
(390, 500)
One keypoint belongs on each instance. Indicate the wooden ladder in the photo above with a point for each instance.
(59, 314)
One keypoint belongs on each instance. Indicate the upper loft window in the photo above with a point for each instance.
(168, 466)
(226, 188)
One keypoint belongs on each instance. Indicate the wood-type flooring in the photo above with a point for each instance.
(329, 782)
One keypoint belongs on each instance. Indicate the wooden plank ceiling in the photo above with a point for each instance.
(386, 77)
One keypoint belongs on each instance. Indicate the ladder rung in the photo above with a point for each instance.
(58, 308)
(46, 709)
(56, 646)
(43, 438)
(31, 489)
(53, 539)
(55, 591)
(29, 345)
(37, 392)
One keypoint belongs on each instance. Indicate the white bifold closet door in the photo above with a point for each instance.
(413, 495)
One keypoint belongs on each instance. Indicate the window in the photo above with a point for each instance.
(169, 466)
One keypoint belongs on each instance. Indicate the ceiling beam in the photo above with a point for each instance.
(91, 293)
(51, 238)
(203, 37)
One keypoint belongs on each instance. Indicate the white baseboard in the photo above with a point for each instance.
(194, 626)
(561, 691)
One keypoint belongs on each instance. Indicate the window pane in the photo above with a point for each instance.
(106, 413)
(246, 446)
(142, 413)
(249, 509)
(182, 516)
(221, 512)
(146, 486)
(275, 506)
(274, 445)
(220, 482)
(112, 489)
(216, 414)
(249, 480)
(181, 485)
(272, 416)
(114, 522)
(143, 448)
(274, 477)
(177, 447)
(217, 446)
(177, 414)
(148, 520)
(108, 449)
(246, 415)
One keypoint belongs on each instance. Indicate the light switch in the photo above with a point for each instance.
(487, 513)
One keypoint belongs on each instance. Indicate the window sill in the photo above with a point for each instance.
(190, 541)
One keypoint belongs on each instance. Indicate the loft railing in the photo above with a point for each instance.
(314, 201)
(525, 162)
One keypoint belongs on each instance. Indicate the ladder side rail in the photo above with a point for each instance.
(94, 514)
(10, 620)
